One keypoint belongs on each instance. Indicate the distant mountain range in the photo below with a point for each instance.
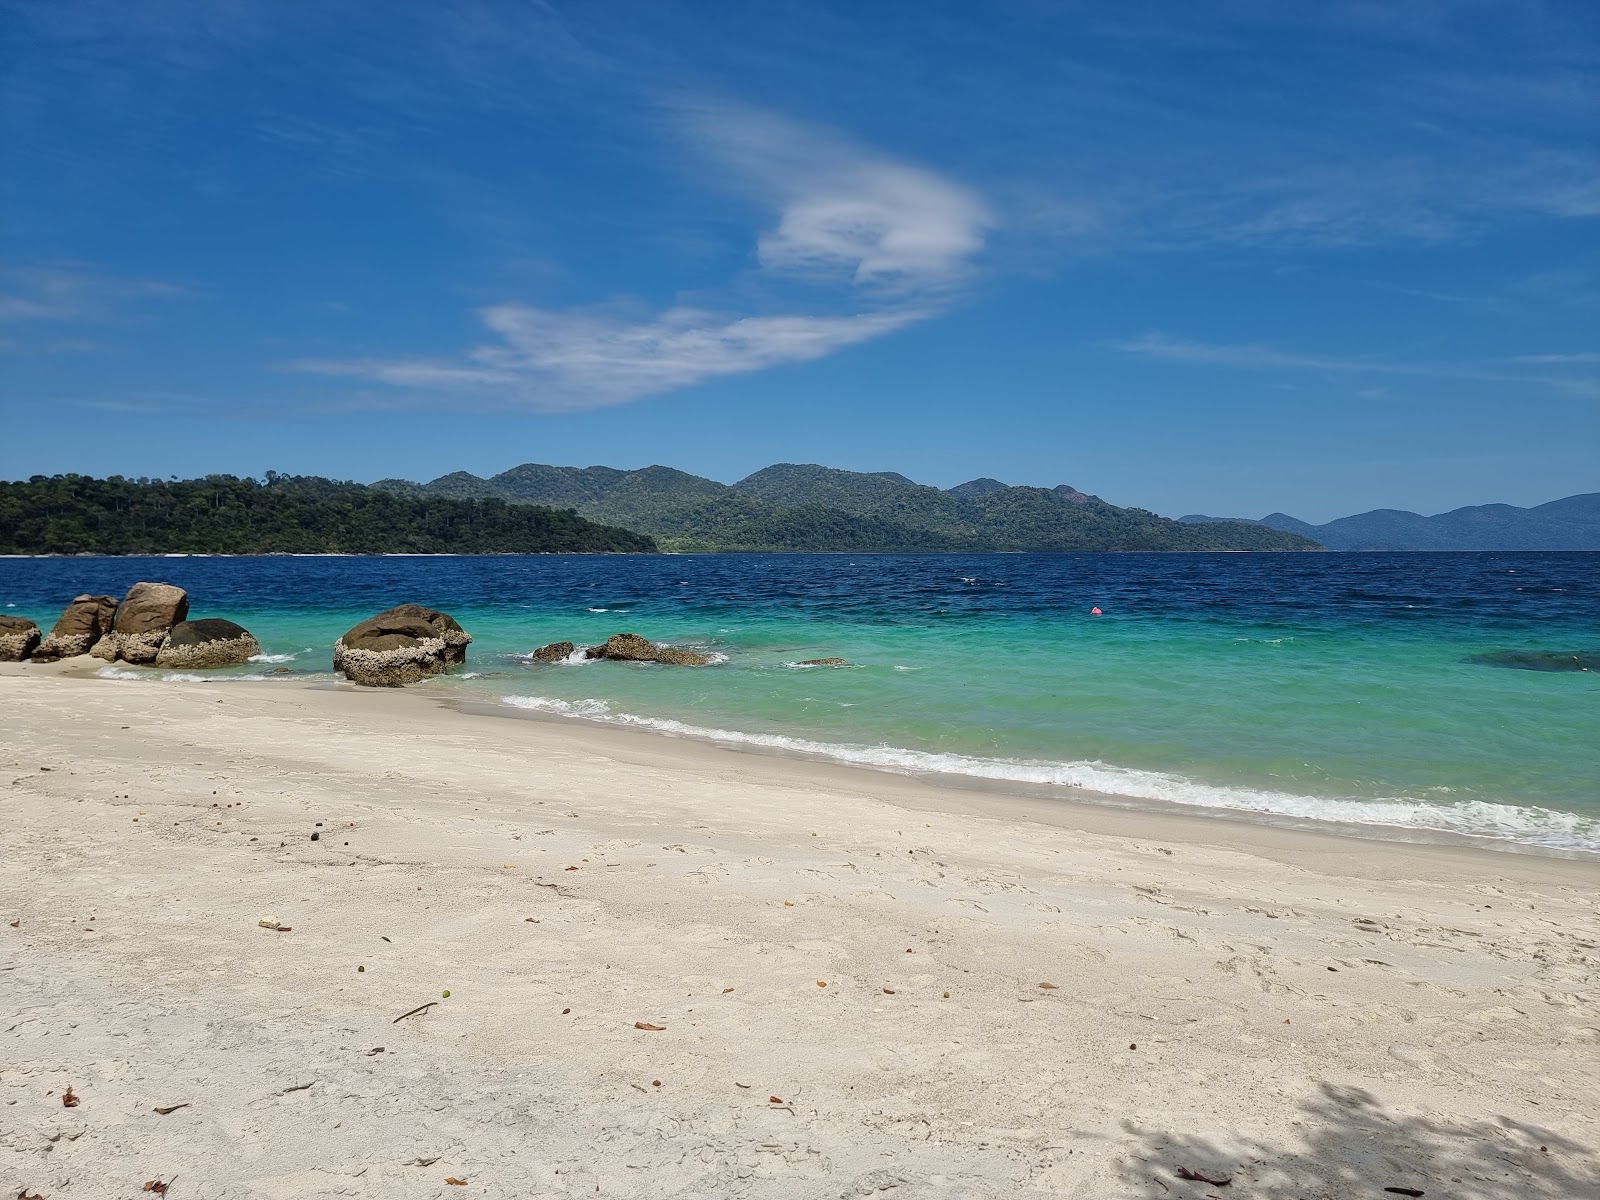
(812, 508)
(1569, 524)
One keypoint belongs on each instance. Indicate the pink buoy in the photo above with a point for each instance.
(1095, 612)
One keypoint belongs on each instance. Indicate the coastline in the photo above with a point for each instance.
(1064, 806)
(1308, 1013)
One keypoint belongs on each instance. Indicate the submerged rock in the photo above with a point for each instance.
(18, 638)
(823, 662)
(144, 619)
(1540, 660)
(630, 647)
(86, 620)
(210, 642)
(554, 652)
(402, 645)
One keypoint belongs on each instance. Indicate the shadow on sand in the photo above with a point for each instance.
(1353, 1148)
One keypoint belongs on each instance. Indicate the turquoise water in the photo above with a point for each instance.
(1311, 687)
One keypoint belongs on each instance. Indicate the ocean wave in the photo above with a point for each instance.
(272, 658)
(182, 676)
(1531, 826)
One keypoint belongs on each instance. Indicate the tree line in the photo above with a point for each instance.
(289, 514)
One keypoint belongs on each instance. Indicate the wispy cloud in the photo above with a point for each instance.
(1257, 356)
(886, 242)
(1586, 359)
(39, 299)
(565, 361)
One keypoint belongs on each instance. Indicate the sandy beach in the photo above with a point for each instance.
(659, 968)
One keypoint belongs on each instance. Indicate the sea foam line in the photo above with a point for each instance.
(182, 676)
(1531, 826)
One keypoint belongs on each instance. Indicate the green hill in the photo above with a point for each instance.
(795, 507)
(221, 514)
(684, 512)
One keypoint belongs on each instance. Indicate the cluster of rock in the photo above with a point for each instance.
(404, 644)
(148, 627)
(625, 647)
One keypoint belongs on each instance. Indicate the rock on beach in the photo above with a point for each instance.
(210, 642)
(554, 652)
(401, 645)
(84, 622)
(18, 637)
(144, 619)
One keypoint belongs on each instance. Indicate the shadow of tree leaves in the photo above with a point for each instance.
(1353, 1148)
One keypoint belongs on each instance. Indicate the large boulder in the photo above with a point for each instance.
(144, 618)
(18, 637)
(456, 639)
(403, 645)
(554, 652)
(86, 620)
(211, 642)
(630, 647)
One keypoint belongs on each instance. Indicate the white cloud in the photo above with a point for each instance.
(564, 361)
(886, 242)
(844, 210)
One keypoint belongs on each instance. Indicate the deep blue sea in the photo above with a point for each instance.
(1342, 688)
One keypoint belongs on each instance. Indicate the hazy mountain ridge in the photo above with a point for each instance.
(790, 506)
(1571, 523)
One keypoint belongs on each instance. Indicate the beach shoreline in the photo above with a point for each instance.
(1065, 806)
(848, 967)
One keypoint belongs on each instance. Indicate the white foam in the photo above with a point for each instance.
(180, 676)
(1528, 826)
(272, 658)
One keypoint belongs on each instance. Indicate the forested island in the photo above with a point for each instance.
(543, 509)
(283, 514)
(798, 507)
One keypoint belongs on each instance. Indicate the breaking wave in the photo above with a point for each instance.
(1530, 826)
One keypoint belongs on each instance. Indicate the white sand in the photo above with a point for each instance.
(1314, 1016)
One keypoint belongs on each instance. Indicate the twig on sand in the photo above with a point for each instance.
(299, 1087)
(1202, 1177)
(414, 1012)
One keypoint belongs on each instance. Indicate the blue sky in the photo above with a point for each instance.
(1199, 257)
